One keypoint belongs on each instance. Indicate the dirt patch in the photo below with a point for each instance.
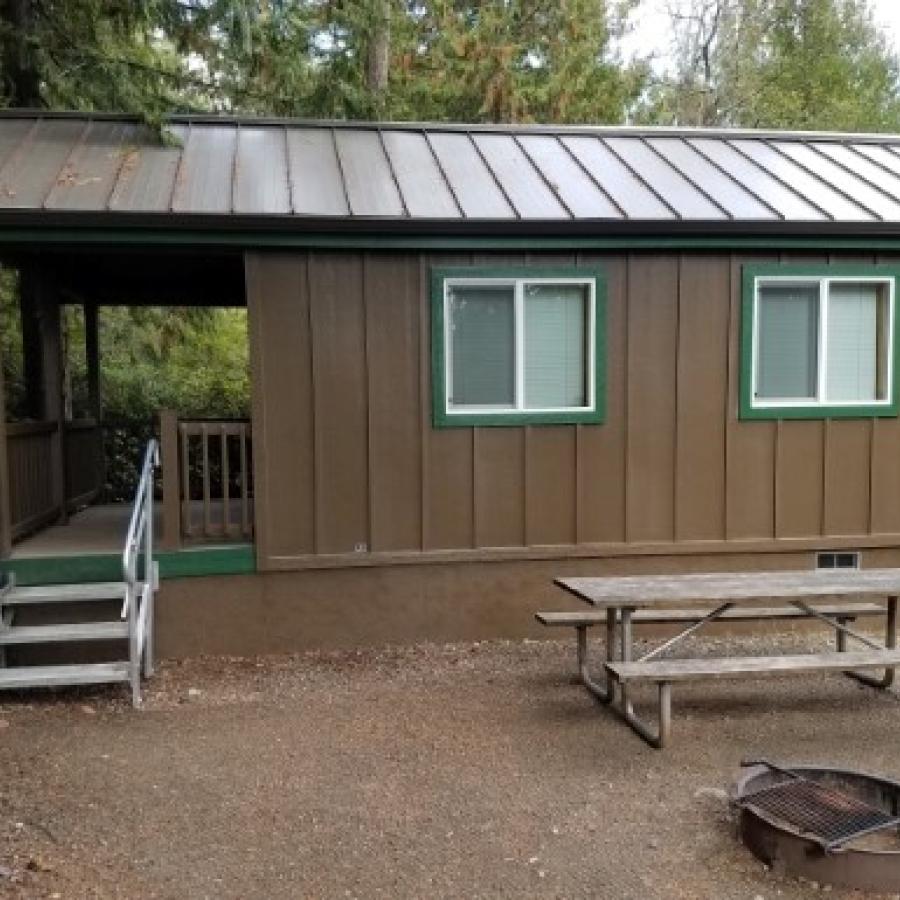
(477, 770)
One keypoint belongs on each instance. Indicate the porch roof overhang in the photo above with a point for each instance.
(72, 178)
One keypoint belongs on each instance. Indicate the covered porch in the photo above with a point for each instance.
(54, 503)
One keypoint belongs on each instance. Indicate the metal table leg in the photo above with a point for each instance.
(602, 690)
(890, 643)
(626, 656)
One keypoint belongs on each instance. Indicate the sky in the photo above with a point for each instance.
(651, 31)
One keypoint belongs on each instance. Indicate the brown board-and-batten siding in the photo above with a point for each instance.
(350, 470)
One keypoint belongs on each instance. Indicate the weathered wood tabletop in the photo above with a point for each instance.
(661, 590)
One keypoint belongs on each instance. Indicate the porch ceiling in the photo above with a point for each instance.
(111, 276)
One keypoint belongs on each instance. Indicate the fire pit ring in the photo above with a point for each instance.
(830, 825)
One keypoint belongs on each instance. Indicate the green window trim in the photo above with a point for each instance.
(441, 418)
(815, 410)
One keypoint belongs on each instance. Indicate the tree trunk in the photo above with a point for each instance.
(19, 66)
(377, 62)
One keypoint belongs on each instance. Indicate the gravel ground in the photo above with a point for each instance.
(476, 770)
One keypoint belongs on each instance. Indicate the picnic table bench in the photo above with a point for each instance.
(834, 597)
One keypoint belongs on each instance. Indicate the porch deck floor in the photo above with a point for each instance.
(96, 529)
(101, 529)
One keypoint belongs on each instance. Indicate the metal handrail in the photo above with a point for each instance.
(140, 537)
(140, 528)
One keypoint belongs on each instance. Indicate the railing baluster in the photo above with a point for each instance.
(207, 516)
(225, 496)
(245, 487)
(187, 525)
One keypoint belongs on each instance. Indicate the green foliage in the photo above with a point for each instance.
(190, 360)
(11, 344)
(808, 64)
(526, 60)
(515, 62)
(194, 361)
(127, 55)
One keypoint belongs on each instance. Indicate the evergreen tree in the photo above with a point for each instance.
(121, 55)
(480, 60)
(810, 64)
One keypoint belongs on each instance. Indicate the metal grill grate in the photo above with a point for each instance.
(821, 814)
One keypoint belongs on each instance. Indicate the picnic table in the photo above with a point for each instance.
(835, 597)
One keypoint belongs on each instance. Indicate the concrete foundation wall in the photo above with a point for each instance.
(277, 612)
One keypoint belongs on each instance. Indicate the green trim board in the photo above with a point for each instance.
(247, 238)
(237, 560)
(442, 419)
(814, 411)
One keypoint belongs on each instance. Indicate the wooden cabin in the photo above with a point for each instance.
(482, 356)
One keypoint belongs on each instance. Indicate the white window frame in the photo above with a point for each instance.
(518, 284)
(821, 399)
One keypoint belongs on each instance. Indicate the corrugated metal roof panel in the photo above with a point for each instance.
(811, 188)
(568, 178)
(475, 188)
(316, 182)
(146, 177)
(205, 180)
(91, 169)
(521, 182)
(32, 170)
(685, 198)
(754, 178)
(371, 188)
(841, 179)
(422, 184)
(864, 168)
(261, 172)
(630, 194)
(739, 203)
(428, 176)
(12, 133)
(880, 155)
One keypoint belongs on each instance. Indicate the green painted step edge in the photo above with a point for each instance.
(237, 560)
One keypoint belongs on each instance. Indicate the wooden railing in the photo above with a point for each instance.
(207, 479)
(36, 485)
(84, 461)
(33, 493)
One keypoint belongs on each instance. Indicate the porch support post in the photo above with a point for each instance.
(95, 399)
(52, 406)
(32, 347)
(5, 518)
(92, 354)
(171, 484)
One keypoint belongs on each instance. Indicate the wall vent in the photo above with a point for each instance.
(838, 560)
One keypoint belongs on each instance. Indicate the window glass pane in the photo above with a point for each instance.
(787, 351)
(482, 346)
(857, 320)
(555, 345)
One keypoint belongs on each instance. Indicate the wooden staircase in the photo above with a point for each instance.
(131, 630)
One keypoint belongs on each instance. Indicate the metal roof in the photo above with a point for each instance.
(57, 168)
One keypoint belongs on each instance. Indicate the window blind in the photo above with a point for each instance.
(852, 342)
(555, 331)
(787, 355)
(482, 346)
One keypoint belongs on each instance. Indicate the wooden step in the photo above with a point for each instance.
(55, 634)
(64, 593)
(51, 676)
(735, 614)
(667, 670)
